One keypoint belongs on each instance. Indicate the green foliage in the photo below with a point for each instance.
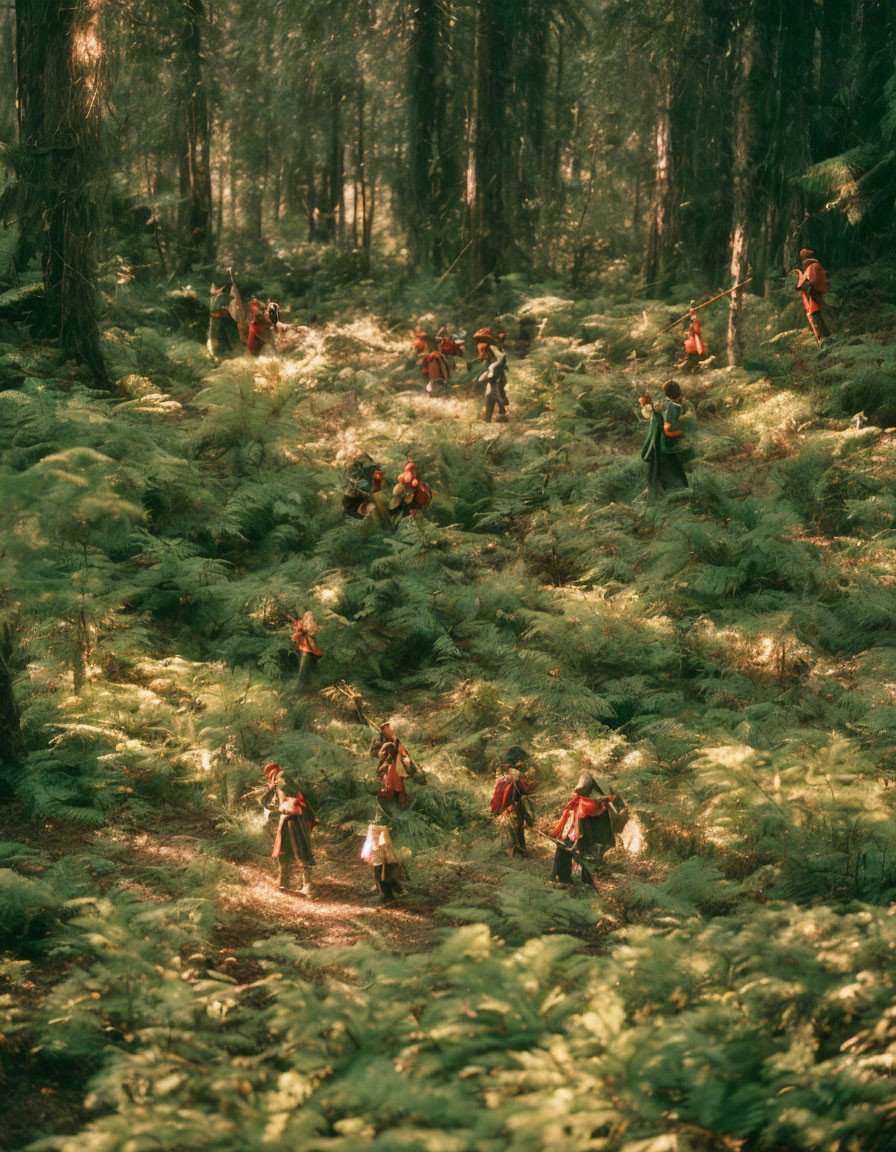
(721, 657)
(27, 909)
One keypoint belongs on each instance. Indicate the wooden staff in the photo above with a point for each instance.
(703, 305)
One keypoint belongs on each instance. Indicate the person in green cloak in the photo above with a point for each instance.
(662, 450)
(223, 334)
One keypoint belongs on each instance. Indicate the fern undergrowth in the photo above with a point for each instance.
(724, 658)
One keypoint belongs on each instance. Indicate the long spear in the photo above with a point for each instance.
(703, 305)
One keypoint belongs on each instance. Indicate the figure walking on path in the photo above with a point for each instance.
(491, 350)
(812, 282)
(388, 871)
(292, 844)
(510, 804)
(584, 831)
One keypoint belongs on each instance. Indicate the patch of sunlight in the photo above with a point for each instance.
(329, 590)
(201, 758)
(766, 414)
(728, 756)
(545, 305)
(632, 837)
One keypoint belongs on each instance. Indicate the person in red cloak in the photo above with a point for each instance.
(510, 805)
(292, 844)
(450, 344)
(812, 282)
(584, 831)
(303, 638)
(436, 368)
(262, 325)
(693, 342)
(395, 763)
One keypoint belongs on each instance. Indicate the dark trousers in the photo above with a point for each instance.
(495, 396)
(563, 868)
(516, 831)
(386, 881)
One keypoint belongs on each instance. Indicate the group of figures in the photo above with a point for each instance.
(588, 825)
(438, 361)
(592, 819)
(812, 285)
(293, 851)
(664, 450)
(234, 327)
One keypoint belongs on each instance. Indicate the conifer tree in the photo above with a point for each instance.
(59, 70)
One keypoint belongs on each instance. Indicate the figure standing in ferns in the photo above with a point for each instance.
(395, 764)
(812, 282)
(693, 341)
(409, 495)
(264, 322)
(664, 442)
(510, 804)
(223, 333)
(303, 638)
(584, 831)
(292, 844)
(491, 350)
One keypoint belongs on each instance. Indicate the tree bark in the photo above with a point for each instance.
(661, 233)
(195, 161)
(59, 63)
(741, 185)
(424, 81)
(485, 178)
(336, 168)
(12, 744)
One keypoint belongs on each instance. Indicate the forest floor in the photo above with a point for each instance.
(719, 657)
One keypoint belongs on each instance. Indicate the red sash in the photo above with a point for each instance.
(501, 800)
(304, 641)
(579, 808)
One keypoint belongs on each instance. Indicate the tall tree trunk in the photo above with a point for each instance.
(195, 161)
(531, 35)
(364, 183)
(741, 170)
(425, 154)
(485, 179)
(12, 744)
(661, 231)
(336, 168)
(58, 84)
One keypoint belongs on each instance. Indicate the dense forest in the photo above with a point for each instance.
(204, 576)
